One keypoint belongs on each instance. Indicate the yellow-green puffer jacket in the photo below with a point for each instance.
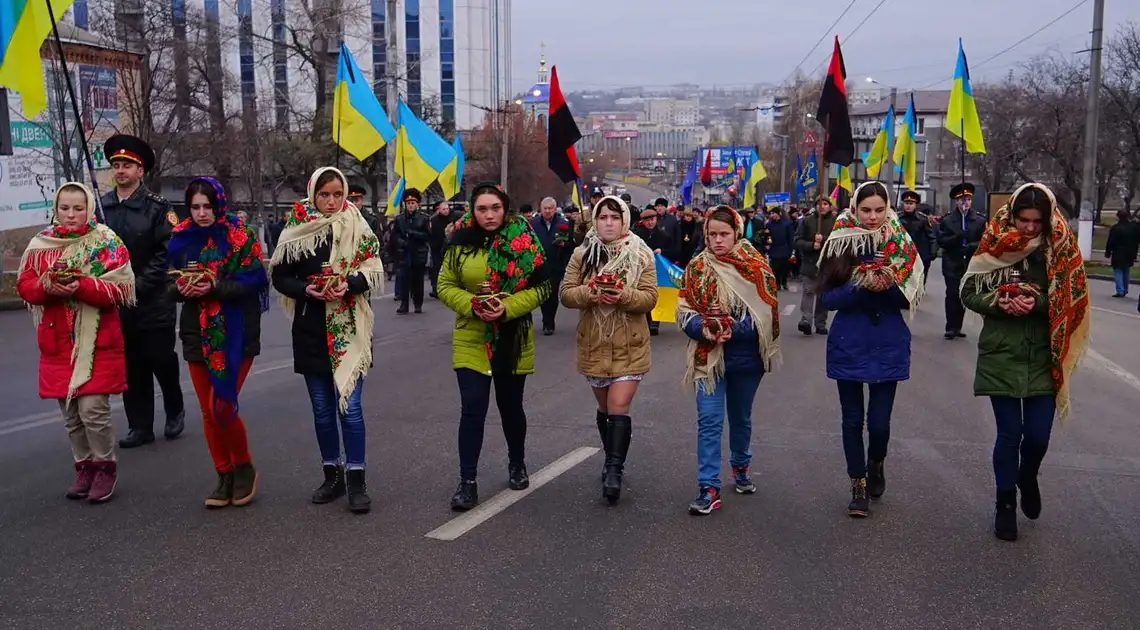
(456, 290)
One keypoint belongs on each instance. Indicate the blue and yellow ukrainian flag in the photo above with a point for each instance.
(395, 199)
(906, 149)
(421, 155)
(451, 179)
(360, 126)
(874, 159)
(668, 289)
(962, 113)
(753, 174)
(24, 24)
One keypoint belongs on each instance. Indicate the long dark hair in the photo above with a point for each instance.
(202, 187)
(468, 240)
(590, 267)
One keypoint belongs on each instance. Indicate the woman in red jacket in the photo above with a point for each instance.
(74, 275)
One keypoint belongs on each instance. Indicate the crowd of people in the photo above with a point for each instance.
(103, 295)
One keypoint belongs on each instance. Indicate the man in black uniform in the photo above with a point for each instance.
(410, 238)
(356, 194)
(143, 221)
(959, 235)
(919, 227)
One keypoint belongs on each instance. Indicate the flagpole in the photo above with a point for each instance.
(75, 110)
(339, 104)
(962, 158)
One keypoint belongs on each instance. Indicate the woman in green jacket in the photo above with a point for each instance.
(494, 274)
(1027, 280)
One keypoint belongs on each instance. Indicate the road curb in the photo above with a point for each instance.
(11, 304)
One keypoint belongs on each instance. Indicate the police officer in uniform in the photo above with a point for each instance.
(143, 220)
(356, 194)
(959, 235)
(918, 226)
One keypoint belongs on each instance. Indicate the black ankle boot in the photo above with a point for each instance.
(876, 479)
(517, 478)
(358, 500)
(619, 431)
(333, 487)
(860, 506)
(466, 496)
(1005, 515)
(1030, 492)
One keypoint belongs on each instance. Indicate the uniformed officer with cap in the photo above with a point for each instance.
(356, 194)
(959, 235)
(917, 225)
(143, 220)
(411, 238)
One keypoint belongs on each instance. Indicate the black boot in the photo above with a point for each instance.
(1005, 515)
(466, 495)
(136, 438)
(1030, 491)
(358, 500)
(619, 430)
(333, 487)
(876, 479)
(517, 479)
(860, 506)
(602, 419)
(175, 425)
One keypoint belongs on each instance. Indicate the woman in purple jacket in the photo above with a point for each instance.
(870, 273)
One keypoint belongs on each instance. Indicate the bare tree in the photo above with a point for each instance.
(1122, 105)
(1005, 128)
(529, 176)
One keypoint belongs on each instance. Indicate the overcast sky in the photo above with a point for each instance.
(906, 43)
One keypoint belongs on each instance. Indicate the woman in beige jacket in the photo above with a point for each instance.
(611, 278)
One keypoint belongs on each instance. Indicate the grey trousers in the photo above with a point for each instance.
(811, 310)
(88, 422)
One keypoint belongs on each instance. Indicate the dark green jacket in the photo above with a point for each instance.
(811, 225)
(1013, 352)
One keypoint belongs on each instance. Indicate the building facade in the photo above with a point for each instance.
(453, 53)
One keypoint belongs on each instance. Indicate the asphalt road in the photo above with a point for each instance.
(787, 557)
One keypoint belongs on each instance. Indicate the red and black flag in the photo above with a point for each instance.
(838, 145)
(562, 134)
(706, 170)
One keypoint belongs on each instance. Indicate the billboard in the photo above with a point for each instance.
(721, 157)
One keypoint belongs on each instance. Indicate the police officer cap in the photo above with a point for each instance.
(661, 201)
(627, 198)
(412, 193)
(962, 189)
(911, 195)
(130, 149)
(596, 191)
(357, 189)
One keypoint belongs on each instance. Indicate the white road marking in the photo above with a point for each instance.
(793, 288)
(380, 297)
(1115, 312)
(460, 525)
(1103, 362)
(788, 310)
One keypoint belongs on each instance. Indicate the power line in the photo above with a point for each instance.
(852, 33)
(819, 41)
(1014, 45)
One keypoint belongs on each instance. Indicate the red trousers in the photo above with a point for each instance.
(227, 442)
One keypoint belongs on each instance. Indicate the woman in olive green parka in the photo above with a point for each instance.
(494, 274)
(1027, 280)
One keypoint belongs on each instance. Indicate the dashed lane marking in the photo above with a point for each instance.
(460, 525)
(1115, 312)
(789, 309)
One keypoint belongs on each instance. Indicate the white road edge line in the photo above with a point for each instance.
(460, 525)
(1115, 312)
(789, 309)
(1114, 369)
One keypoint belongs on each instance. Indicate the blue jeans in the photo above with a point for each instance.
(1120, 275)
(734, 394)
(326, 410)
(1023, 429)
(878, 419)
(474, 401)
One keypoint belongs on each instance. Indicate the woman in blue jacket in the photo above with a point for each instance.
(729, 309)
(870, 273)
(782, 233)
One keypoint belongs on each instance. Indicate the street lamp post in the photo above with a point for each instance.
(783, 161)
